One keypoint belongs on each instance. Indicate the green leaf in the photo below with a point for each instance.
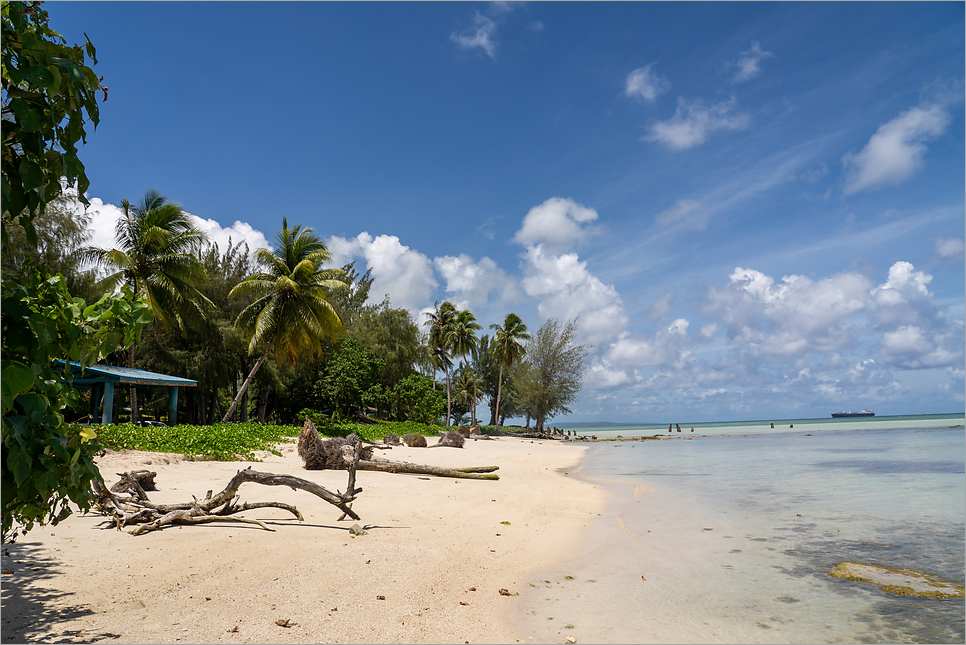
(17, 378)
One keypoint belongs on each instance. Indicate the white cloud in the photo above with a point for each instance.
(646, 85)
(749, 63)
(686, 212)
(795, 318)
(557, 223)
(482, 35)
(239, 232)
(895, 151)
(104, 218)
(949, 247)
(693, 122)
(905, 285)
(566, 290)
(472, 283)
(403, 274)
(667, 347)
(600, 375)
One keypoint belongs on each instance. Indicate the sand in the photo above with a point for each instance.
(436, 549)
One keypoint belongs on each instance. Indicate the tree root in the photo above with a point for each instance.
(219, 508)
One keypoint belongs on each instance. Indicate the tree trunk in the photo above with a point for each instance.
(419, 469)
(248, 381)
(449, 402)
(135, 417)
(528, 420)
(263, 402)
(499, 391)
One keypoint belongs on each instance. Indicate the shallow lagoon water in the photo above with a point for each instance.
(730, 538)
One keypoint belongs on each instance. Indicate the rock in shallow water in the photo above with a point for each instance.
(901, 581)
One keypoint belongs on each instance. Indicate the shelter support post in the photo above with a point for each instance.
(173, 405)
(107, 417)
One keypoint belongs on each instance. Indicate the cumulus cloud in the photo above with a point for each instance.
(481, 35)
(104, 218)
(688, 213)
(915, 334)
(749, 63)
(405, 275)
(566, 290)
(471, 283)
(694, 122)
(557, 224)
(666, 347)
(905, 285)
(797, 317)
(895, 151)
(645, 85)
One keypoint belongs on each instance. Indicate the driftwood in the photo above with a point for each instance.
(135, 482)
(221, 507)
(335, 453)
(414, 440)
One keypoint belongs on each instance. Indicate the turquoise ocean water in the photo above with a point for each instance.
(727, 534)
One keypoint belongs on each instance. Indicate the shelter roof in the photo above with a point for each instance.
(126, 375)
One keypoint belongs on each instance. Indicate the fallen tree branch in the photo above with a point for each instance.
(337, 453)
(214, 508)
(420, 469)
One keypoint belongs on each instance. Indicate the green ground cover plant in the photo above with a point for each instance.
(229, 441)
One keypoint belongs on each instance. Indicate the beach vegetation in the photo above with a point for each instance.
(62, 231)
(49, 94)
(550, 378)
(155, 255)
(508, 349)
(463, 342)
(290, 312)
(440, 323)
(46, 462)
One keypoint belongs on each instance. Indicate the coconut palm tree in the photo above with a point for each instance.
(464, 342)
(440, 322)
(156, 258)
(508, 349)
(290, 311)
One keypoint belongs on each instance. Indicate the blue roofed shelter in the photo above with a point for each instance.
(102, 379)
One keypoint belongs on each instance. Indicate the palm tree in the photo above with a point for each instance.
(291, 312)
(506, 343)
(463, 341)
(440, 322)
(156, 258)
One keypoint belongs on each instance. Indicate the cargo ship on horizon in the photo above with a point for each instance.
(861, 413)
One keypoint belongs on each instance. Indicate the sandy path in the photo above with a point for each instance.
(430, 540)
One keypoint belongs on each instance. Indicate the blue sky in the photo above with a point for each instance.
(756, 210)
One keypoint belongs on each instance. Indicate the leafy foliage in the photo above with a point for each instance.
(290, 312)
(61, 233)
(217, 442)
(157, 243)
(414, 399)
(49, 93)
(550, 379)
(45, 463)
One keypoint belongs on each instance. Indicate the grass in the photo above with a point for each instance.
(231, 441)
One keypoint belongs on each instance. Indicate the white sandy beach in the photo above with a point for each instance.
(435, 550)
